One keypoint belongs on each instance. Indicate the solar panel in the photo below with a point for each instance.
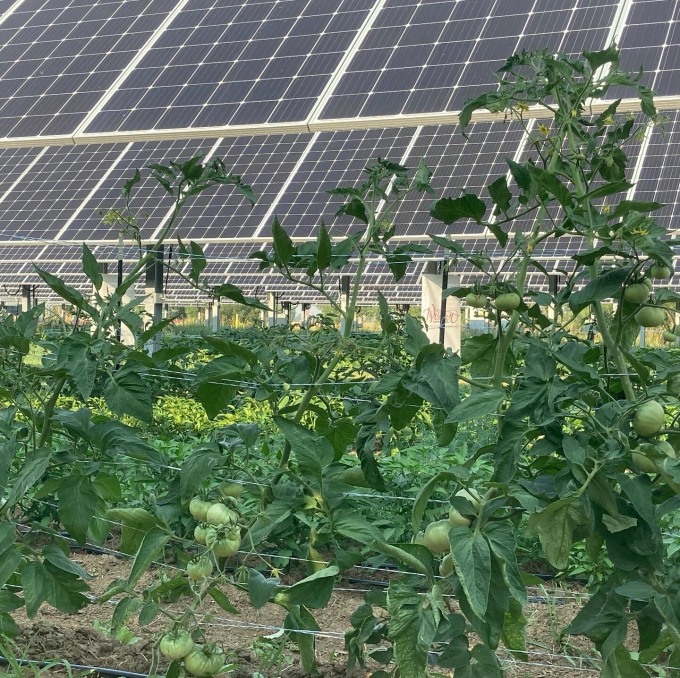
(651, 39)
(335, 159)
(13, 163)
(43, 200)
(423, 57)
(149, 200)
(660, 174)
(232, 62)
(57, 58)
(264, 162)
(457, 164)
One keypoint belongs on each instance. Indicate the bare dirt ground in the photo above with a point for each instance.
(52, 634)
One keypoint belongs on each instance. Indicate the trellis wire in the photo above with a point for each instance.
(233, 623)
(334, 635)
(563, 595)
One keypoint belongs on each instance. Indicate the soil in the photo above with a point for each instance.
(52, 634)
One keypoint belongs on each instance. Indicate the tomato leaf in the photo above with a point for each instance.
(472, 558)
(477, 405)
(77, 503)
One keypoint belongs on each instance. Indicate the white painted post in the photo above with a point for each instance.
(26, 298)
(431, 298)
(216, 315)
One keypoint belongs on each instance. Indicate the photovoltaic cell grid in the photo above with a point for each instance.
(336, 159)
(150, 202)
(58, 57)
(651, 39)
(44, 199)
(221, 212)
(660, 174)
(234, 62)
(13, 162)
(263, 162)
(432, 56)
(458, 164)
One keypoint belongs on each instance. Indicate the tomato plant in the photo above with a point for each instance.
(582, 448)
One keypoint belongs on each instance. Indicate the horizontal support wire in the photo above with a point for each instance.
(235, 623)
(562, 594)
(415, 256)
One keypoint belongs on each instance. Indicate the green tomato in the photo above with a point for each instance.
(199, 508)
(200, 532)
(670, 337)
(219, 514)
(229, 489)
(458, 520)
(476, 300)
(353, 476)
(204, 660)
(643, 464)
(446, 567)
(176, 644)
(507, 302)
(223, 545)
(637, 293)
(647, 282)
(472, 496)
(437, 536)
(419, 539)
(649, 419)
(650, 316)
(660, 272)
(199, 568)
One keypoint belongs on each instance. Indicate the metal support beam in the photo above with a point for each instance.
(26, 298)
(442, 313)
(154, 291)
(345, 283)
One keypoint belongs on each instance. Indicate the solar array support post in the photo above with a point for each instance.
(208, 314)
(287, 308)
(345, 284)
(110, 281)
(119, 280)
(269, 318)
(26, 298)
(642, 337)
(676, 320)
(442, 311)
(154, 294)
(216, 315)
(438, 312)
(305, 314)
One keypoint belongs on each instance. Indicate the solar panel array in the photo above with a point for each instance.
(286, 92)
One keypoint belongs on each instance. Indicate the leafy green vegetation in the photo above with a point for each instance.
(239, 454)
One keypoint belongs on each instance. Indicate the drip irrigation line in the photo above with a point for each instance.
(101, 670)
